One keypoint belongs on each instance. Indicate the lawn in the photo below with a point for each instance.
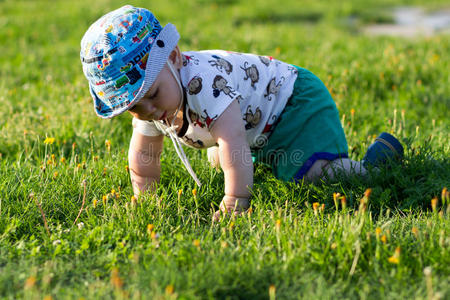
(69, 227)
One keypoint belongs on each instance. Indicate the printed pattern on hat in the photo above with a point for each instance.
(122, 53)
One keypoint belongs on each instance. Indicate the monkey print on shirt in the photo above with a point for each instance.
(266, 60)
(251, 118)
(269, 125)
(220, 85)
(189, 60)
(273, 88)
(195, 118)
(213, 79)
(195, 85)
(252, 73)
(207, 119)
(221, 64)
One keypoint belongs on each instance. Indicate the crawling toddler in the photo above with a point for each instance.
(244, 108)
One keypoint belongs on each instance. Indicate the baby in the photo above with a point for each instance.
(244, 108)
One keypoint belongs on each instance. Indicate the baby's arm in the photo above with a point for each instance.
(144, 161)
(235, 158)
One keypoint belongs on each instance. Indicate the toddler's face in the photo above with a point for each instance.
(162, 99)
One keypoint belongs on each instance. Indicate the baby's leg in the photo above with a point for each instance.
(213, 157)
(326, 169)
(386, 148)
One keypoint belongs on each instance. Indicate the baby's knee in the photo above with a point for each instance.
(317, 170)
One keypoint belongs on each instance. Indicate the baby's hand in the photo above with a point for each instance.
(231, 205)
(213, 157)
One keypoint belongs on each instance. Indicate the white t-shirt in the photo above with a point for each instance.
(213, 79)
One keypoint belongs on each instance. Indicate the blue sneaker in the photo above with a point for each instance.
(385, 148)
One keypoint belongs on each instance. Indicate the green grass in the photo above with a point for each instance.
(390, 84)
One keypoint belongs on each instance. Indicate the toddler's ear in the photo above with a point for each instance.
(175, 57)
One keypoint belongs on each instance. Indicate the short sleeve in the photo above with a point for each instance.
(210, 93)
(146, 128)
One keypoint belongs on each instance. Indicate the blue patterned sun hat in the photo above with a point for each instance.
(122, 53)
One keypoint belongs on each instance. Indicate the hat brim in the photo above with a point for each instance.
(163, 45)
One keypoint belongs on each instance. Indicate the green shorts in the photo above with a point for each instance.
(307, 130)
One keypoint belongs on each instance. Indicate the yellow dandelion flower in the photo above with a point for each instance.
(108, 145)
(395, 259)
(96, 158)
(30, 282)
(127, 169)
(415, 231)
(364, 200)
(333, 246)
(55, 174)
(384, 239)
(231, 226)
(272, 291)
(104, 199)
(49, 140)
(434, 58)
(444, 194)
(278, 224)
(169, 289)
(343, 202)
(194, 192)
(150, 227)
(133, 200)
(62, 160)
(335, 199)
(180, 192)
(153, 235)
(196, 243)
(48, 297)
(250, 211)
(94, 203)
(223, 244)
(377, 232)
(434, 202)
(352, 112)
(116, 281)
(322, 207)
(316, 205)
